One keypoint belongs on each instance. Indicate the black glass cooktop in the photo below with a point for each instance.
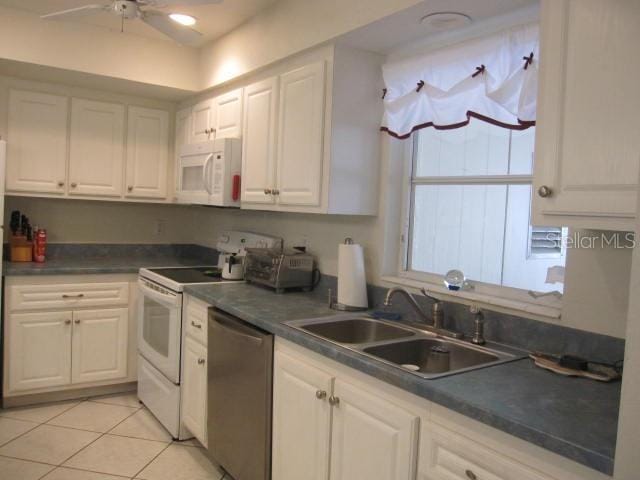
(190, 274)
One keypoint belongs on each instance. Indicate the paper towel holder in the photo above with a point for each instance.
(341, 307)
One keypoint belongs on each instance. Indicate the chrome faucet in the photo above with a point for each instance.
(437, 316)
(478, 335)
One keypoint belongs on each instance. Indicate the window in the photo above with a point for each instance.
(469, 209)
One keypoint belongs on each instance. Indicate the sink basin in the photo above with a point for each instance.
(431, 356)
(357, 330)
(402, 346)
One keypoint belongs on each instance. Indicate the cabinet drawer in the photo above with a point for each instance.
(446, 455)
(72, 295)
(195, 315)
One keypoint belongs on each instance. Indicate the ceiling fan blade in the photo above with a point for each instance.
(180, 33)
(178, 3)
(77, 12)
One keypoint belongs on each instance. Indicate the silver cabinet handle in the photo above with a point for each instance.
(61, 184)
(545, 191)
(276, 192)
(321, 394)
(74, 184)
(470, 475)
(334, 401)
(130, 188)
(267, 191)
(76, 321)
(80, 295)
(67, 322)
(201, 361)
(196, 325)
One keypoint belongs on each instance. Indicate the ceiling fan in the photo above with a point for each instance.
(169, 24)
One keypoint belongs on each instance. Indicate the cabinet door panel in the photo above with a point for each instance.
(147, 153)
(96, 149)
(194, 389)
(301, 421)
(228, 115)
(371, 438)
(259, 141)
(99, 345)
(587, 145)
(202, 119)
(39, 350)
(300, 136)
(37, 146)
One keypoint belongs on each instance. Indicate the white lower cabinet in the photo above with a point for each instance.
(53, 342)
(38, 349)
(324, 426)
(99, 346)
(371, 437)
(194, 389)
(301, 420)
(331, 422)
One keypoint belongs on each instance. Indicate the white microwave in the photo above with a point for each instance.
(208, 173)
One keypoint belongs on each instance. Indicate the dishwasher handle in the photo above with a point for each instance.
(233, 327)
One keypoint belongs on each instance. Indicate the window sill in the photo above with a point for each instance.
(535, 311)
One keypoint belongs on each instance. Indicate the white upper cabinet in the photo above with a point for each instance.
(96, 148)
(147, 153)
(587, 145)
(300, 136)
(326, 138)
(228, 115)
(259, 141)
(219, 117)
(37, 142)
(183, 129)
(202, 118)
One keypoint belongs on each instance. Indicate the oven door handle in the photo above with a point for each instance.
(167, 299)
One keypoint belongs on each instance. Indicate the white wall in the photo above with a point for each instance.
(288, 27)
(85, 48)
(88, 221)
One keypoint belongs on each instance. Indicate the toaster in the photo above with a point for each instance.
(280, 269)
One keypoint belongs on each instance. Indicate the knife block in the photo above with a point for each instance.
(21, 249)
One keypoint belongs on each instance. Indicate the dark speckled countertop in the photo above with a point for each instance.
(66, 259)
(572, 417)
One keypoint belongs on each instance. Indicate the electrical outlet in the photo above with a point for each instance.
(158, 228)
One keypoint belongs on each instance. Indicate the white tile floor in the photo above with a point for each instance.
(101, 438)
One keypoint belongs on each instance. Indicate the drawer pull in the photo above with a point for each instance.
(80, 295)
(334, 401)
(470, 475)
(201, 361)
(321, 394)
(67, 322)
(76, 321)
(194, 324)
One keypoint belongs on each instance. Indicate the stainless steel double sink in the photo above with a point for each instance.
(403, 346)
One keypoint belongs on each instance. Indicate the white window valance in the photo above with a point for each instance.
(492, 79)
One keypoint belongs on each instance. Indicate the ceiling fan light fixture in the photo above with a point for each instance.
(182, 19)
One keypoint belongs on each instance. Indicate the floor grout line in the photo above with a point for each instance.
(22, 434)
(151, 461)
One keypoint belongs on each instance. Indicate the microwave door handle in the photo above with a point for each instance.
(228, 327)
(205, 175)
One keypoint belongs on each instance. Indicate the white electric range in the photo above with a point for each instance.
(160, 329)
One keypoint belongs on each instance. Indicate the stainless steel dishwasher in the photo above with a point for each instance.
(240, 376)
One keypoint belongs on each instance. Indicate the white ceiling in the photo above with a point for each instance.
(213, 21)
(387, 34)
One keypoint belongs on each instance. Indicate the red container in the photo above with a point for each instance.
(39, 245)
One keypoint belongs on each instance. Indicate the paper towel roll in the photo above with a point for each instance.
(352, 280)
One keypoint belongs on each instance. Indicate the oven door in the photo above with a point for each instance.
(159, 328)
